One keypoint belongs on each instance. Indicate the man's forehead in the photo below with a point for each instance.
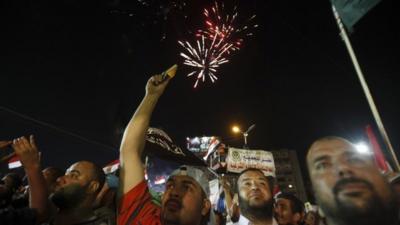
(329, 148)
(252, 174)
(182, 178)
(283, 201)
(81, 167)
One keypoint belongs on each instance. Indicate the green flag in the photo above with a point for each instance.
(351, 11)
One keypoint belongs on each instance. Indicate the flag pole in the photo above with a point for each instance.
(367, 92)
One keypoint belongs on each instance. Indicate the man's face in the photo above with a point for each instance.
(72, 188)
(346, 183)
(183, 201)
(284, 214)
(254, 193)
(310, 218)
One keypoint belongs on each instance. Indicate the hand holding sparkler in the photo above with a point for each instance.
(157, 83)
(170, 73)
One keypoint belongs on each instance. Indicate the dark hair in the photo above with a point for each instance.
(296, 204)
(270, 179)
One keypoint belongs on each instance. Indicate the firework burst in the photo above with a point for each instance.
(205, 58)
(222, 36)
(226, 27)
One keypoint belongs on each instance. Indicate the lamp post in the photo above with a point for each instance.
(237, 129)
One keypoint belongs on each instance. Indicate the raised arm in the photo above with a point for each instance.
(231, 206)
(28, 153)
(133, 141)
(4, 144)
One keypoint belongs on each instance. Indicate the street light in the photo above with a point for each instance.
(362, 148)
(236, 129)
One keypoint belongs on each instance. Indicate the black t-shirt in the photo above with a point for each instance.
(102, 217)
(23, 216)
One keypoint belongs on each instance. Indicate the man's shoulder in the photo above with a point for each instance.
(98, 220)
(105, 216)
(242, 221)
(137, 206)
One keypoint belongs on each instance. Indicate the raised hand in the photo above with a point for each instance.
(4, 144)
(29, 155)
(156, 85)
(27, 151)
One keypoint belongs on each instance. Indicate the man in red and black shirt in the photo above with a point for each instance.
(185, 199)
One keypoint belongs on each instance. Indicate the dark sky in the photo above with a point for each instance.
(81, 66)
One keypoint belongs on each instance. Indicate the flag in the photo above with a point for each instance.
(160, 147)
(380, 160)
(351, 11)
(111, 167)
(14, 162)
(159, 144)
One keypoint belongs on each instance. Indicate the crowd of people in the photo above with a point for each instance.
(348, 188)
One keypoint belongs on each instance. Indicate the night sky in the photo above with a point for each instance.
(81, 66)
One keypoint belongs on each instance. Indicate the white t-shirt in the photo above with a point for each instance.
(244, 221)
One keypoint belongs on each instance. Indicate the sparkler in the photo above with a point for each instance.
(215, 43)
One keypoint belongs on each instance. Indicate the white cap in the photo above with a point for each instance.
(198, 175)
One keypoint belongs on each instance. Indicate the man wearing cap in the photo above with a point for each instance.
(185, 200)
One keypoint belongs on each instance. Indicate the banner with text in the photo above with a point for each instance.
(241, 159)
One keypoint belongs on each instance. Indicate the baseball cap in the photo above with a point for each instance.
(198, 175)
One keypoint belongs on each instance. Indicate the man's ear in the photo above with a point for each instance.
(206, 206)
(93, 187)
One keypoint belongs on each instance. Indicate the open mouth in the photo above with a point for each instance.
(173, 204)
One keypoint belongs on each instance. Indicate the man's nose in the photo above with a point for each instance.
(177, 191)
(61, 180)
(254, 185)
(343, 169)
